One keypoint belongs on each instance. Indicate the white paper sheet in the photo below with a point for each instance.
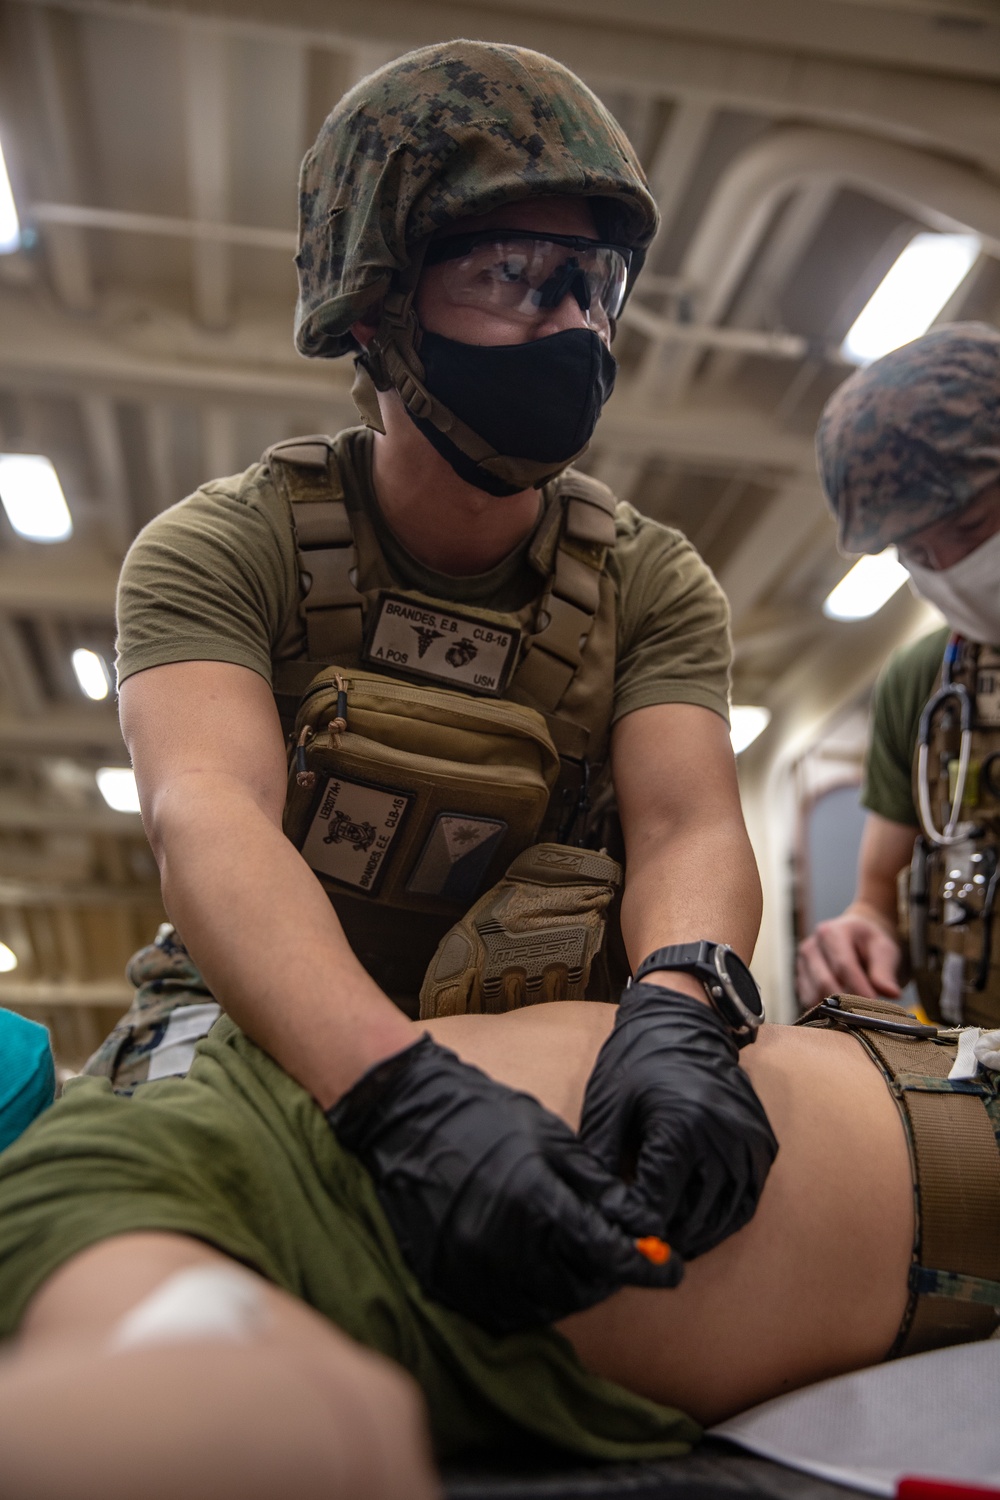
(934, 1414)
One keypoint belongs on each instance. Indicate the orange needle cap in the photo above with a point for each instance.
(654, 1249)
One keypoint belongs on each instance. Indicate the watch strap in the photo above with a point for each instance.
(700, 959)
(681, 956)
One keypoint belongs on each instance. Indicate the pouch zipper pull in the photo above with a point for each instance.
(338, 725)
(303, 776)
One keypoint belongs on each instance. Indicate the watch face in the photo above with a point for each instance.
(740, 985)
(729, 985)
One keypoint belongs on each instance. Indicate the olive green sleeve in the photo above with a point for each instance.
(900, 694)
(673, 622)
(210, 579)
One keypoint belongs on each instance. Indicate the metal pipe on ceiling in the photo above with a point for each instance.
(86, 217)
(739, 340)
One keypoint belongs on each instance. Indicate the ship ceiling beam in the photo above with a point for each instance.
(672, 51)
(54, 52)
(108, 459)
(794, 520)
(204, 83)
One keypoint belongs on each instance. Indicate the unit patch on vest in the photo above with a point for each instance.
(463, 651)
(988, 686)
(456, 856)
(353, 830)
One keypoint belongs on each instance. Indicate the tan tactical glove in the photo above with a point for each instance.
(532, 937)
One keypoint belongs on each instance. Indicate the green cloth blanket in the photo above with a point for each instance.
(238, 1155)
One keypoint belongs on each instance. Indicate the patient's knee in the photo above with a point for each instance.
(210, 1421)
(89, 1295)
(153, 1355)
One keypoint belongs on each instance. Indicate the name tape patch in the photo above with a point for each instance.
(459, 650)
(353, 831)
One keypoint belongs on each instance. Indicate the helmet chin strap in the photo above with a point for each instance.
(364, 394)
(391, 362)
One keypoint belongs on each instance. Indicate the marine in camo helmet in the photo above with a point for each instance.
(914, 437)
(441, 134)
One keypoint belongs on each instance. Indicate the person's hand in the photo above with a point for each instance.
(669, 1106)
(500, 1211)
(850, 954)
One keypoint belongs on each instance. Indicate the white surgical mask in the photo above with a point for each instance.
(968, 593)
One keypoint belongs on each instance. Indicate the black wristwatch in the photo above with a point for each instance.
(731, 989)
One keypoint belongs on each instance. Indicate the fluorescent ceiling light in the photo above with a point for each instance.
(10, 229)
(745, 724)
(118, 788)
(33, 499)
(92, 674)
(863, 591)
(8, 959)
(911, 295)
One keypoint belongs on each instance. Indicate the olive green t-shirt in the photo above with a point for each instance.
(215, 579)
(904, 687)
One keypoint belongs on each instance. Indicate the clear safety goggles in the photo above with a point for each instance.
(518, 272)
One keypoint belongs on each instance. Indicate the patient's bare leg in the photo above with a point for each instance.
(98, 1401)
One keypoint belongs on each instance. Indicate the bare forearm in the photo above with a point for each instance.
(690, 870)
(882, 911)
(700, 882)
(264, 935)
(886, 849)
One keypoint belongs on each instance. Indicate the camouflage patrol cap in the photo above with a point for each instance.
(913, 438)
(448, 131)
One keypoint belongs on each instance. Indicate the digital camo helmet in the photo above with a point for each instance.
(445, 133)
(914, 437)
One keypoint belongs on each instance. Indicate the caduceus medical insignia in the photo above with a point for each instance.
(425, 636)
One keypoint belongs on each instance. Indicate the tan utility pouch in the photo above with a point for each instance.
(417, 796)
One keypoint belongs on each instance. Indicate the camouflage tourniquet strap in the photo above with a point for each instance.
(951, 1130)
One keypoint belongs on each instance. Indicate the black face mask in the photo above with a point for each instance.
(537, 401)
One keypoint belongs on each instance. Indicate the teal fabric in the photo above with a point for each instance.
(27, 1074)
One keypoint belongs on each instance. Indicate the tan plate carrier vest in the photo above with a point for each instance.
(948, 894)
(561, 668)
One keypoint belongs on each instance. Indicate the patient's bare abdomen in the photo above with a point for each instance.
(813, 1286)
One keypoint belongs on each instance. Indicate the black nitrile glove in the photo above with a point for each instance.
(668, 1104)
(494, 1201)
